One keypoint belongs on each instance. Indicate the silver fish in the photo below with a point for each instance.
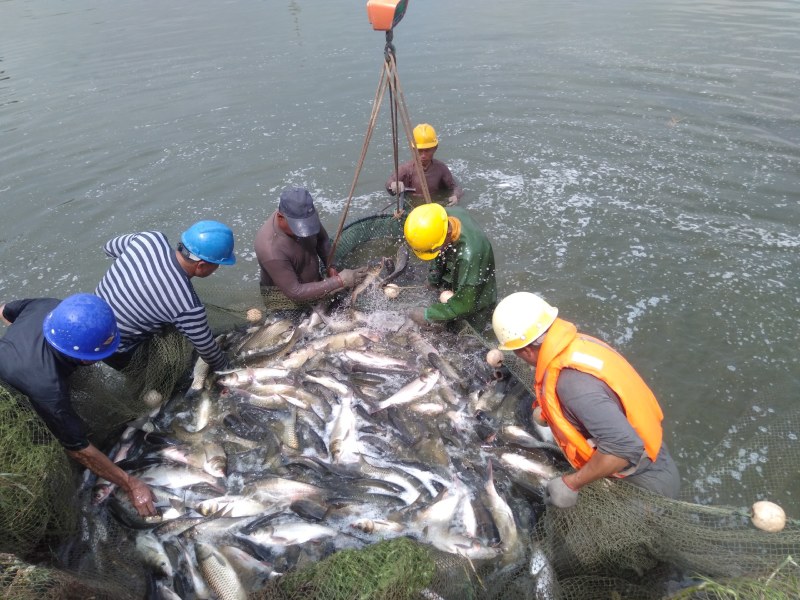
(177, 477)
(409, 492)
(216, 462)
(207, 459)
(526, 465)
(280, 490)
(380, 526)
(429, 409)
(440, 514)
(462, 545)
(202, 413)
(250, 375)
(232, 506)
(268, 336)
(285, 390)
(219, 573)
(290, 534)
(343, 444)
(272, 401)
(376, 362)
(503, 517)
(329, 382)
(152, 553)
(339, 341)
(409, 392)
(514, 434)
(438, 362)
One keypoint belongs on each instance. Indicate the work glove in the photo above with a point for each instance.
(418, 316)
(452, 200)
(559, 494)
(536, 417)
(352, 277)
(397, 187)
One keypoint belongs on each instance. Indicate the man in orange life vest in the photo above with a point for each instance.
(602, 414)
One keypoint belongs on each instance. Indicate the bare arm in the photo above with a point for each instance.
(2, 316)
(98, 463)
(599, 465)
(284, 277)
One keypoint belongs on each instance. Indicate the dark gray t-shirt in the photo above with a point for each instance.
(596, 411)
(438, 177)
(29, 364)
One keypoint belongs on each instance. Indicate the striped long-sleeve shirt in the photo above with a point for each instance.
(147, 288)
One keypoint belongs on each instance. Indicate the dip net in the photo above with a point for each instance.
(59, 541)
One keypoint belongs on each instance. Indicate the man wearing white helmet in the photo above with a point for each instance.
(602, 414)
(438, 177)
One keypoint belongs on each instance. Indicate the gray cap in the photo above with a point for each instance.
(297, 206)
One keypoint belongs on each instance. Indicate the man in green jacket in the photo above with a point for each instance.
(463, 262)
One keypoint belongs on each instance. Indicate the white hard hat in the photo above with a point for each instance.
(520, 318)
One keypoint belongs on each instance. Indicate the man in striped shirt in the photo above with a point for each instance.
(149, 286)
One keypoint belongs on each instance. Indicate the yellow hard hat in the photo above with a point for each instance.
(426, 230)
(425, 137)
(520, 318)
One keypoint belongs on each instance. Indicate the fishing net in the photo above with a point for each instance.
(619, 541)
(33, 474)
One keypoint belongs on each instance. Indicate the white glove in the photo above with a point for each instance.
(397, 187)
(559, 494)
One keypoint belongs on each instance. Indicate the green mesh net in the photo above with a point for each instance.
(34, 472)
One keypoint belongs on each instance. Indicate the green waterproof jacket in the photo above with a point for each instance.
(467, 268)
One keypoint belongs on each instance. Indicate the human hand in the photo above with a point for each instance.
(352, 277)
(558, 493)
(397, 187)
(141, 497)
(452, 200)
(332, 272)
(418, 316)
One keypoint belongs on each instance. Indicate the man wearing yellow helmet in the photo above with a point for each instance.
(439, 178)
(462, 261)
(600, 411)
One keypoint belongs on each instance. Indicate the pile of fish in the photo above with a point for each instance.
(333, 433)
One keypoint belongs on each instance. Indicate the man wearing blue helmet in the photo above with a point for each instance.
(149, 286)
(46, 341)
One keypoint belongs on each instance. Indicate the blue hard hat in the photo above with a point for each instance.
(83, 327)
(210, 241)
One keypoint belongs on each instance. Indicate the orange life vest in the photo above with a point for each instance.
(564, 347)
